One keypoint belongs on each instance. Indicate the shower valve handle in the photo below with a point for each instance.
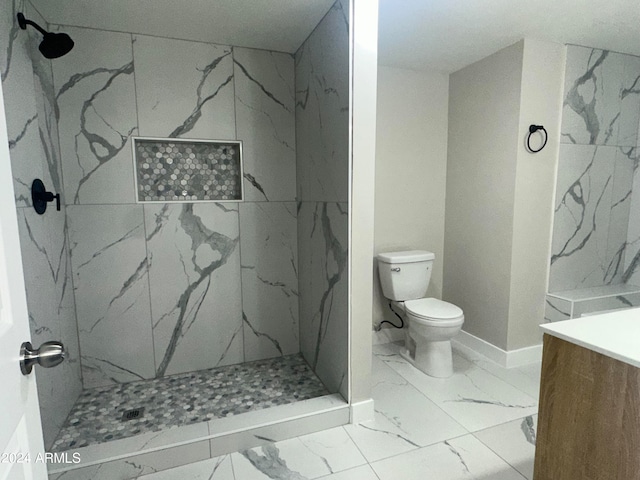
(40, 197)
(50, 197)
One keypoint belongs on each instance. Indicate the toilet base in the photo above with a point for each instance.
(433, 358)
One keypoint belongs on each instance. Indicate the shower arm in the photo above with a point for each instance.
(23, 22)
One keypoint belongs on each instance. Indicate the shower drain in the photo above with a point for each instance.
(133, 414)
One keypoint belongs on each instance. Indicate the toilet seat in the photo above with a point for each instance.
(431, 311)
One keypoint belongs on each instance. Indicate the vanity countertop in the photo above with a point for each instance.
(615, 334)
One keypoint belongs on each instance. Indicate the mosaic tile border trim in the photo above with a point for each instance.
(177, 170)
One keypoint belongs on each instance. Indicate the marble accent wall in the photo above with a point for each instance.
(596, 235)
(30, 105)
(322, 145)
(160, 288)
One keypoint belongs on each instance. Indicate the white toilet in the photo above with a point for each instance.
(432, 323)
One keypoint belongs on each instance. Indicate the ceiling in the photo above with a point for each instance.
(443, 35)
(280, 25)
(446, 35)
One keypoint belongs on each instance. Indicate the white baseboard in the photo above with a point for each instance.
(388, 335)
(507, 359)
(362, 411)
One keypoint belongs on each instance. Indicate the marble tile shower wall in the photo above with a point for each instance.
(170, 288)
(30, 106)
(596, 233)
(322, 146)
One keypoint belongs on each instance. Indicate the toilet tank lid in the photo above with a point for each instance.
(406, 256)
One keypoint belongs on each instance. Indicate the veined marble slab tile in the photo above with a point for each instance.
(184, 89)
(16, 72)
(97, 116)
(265, 119)
(269, 248)
(146, 442)
(523, 380)
(194, 274)
(457, 459)
(322, 110)
(472, 396)
(581, 222)
(47, 273)
(46, 102)
(404, 420)
(629, 101)
(597, 292)
(112, 292)
(626, 163)
(365, 472)
(632, 251)
(593, 80)
(629, 300)
(515, 442)
(272, 432)
(219, 468)
(557, 309)
(138, 466)
(276, 415)
(307, 457)
(323, 260)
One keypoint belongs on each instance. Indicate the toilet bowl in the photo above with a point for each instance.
(430, 323)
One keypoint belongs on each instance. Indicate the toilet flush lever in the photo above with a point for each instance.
(395, 269)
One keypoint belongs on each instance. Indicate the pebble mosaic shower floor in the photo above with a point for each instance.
(185, 399)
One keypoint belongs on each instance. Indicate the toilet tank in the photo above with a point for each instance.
(405, 275)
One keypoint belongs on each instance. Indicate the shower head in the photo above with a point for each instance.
(53, 45)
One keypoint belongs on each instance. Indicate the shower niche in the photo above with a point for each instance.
(177, 170)
(197, 281)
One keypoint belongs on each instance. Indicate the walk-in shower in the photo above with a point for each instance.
(210, 310)
(596, 235)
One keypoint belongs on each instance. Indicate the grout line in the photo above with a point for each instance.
(163, 203)
(501, 457)
(501, 424)
(409, 383)
(356, 443)
(68, 25)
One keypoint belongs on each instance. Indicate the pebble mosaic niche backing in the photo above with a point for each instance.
(173, 170)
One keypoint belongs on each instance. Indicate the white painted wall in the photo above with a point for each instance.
(541, 103)
(364, 60)
(481, 170)
(499, 205)
(411, 159)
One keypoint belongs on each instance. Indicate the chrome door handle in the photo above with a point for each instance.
(48, 355)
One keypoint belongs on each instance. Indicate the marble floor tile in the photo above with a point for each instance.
(365, 472)
(525, 380)
(514, 442)
(306, 457)
(457, 459)
(138, 465)
(534, 370)
(218, 468)
(412, 436)
(472, 396)
(404, 418)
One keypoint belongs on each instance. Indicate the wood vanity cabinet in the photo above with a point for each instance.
(589, 416)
